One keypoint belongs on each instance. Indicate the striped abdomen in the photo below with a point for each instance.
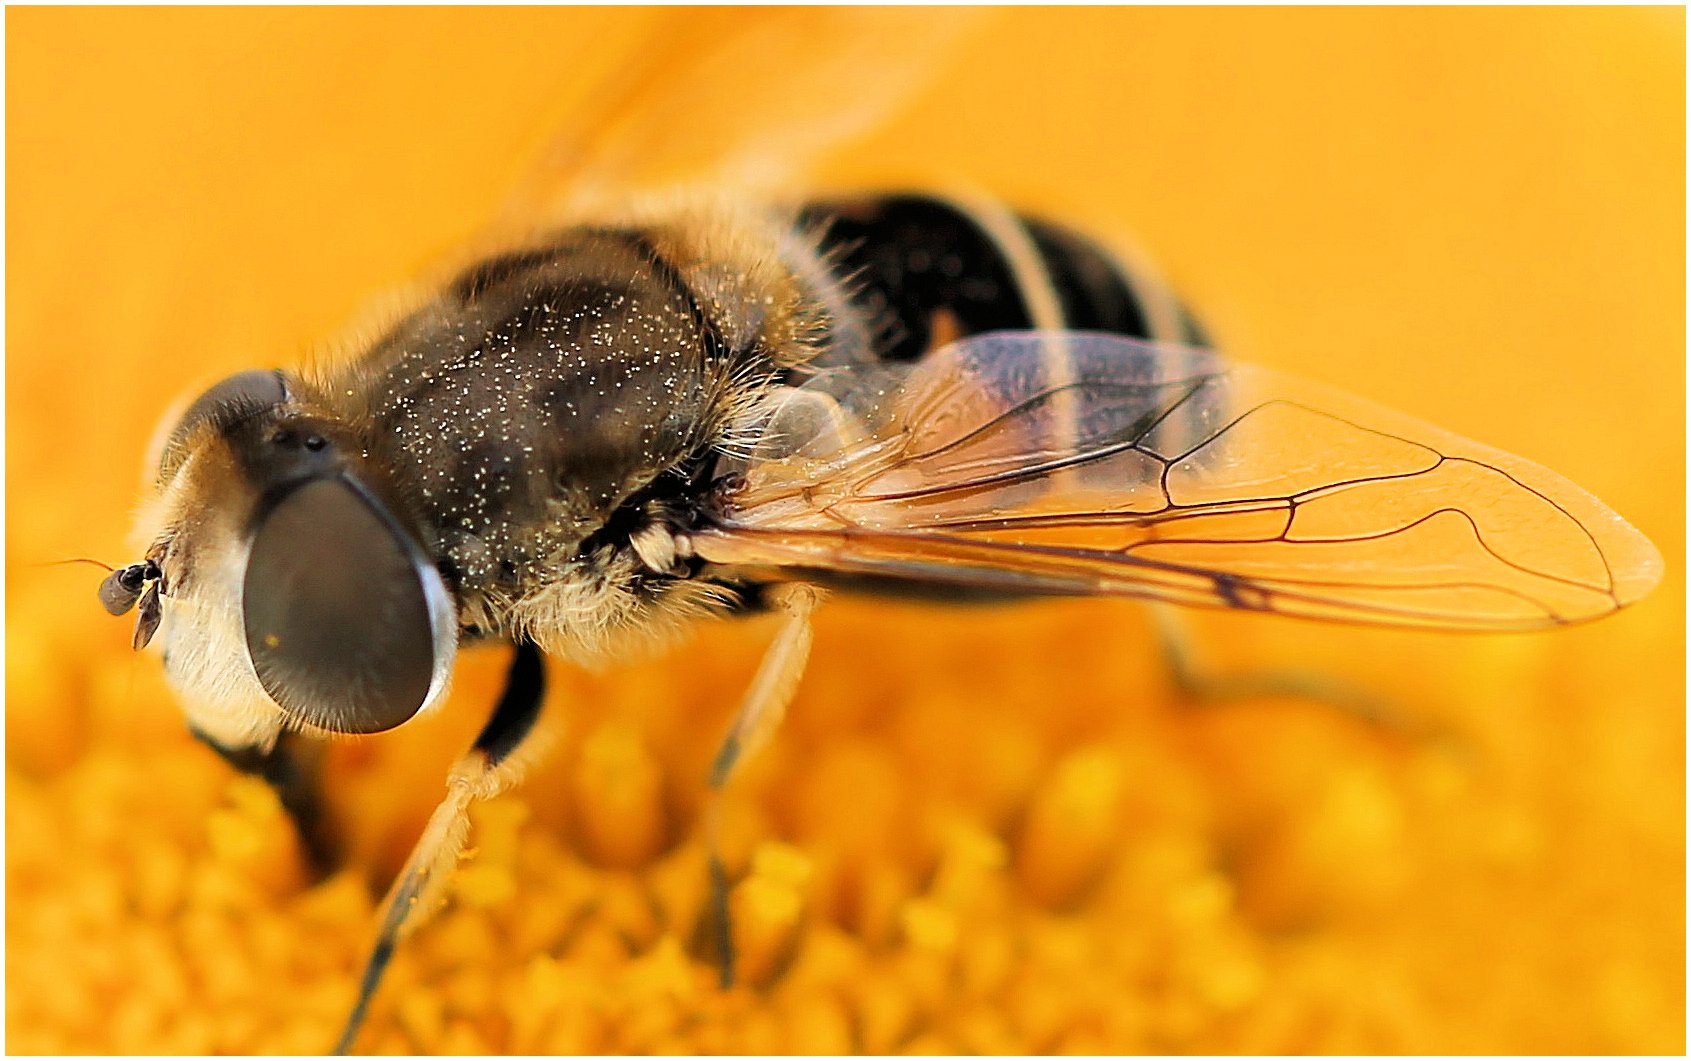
(914, 272)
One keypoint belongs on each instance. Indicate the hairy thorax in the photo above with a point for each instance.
(554, 415)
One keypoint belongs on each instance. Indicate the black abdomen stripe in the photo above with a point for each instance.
(921, 271)
(1094, 293)
(907, 263)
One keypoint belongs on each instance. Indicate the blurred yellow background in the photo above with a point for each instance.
(985, 831)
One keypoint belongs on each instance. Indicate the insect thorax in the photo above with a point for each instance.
(550, 405)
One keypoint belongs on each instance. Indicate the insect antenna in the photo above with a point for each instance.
(76, 560)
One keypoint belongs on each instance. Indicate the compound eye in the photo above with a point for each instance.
(349, 628)
(223, 405)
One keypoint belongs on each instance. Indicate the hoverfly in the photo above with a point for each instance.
(636, 414)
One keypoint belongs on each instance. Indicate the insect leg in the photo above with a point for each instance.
(292, 768)
(1195, 683)
(486, 771)
(760, 712)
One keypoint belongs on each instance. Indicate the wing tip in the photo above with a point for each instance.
(1636, 566)
(1642, 574)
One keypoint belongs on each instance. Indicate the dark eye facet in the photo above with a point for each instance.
(348, 628)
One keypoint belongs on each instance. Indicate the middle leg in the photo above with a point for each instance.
(760, 713)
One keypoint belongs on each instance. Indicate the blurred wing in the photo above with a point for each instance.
(740, 99)
(1078, 463)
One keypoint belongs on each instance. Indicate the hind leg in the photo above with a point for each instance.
(1204, 687)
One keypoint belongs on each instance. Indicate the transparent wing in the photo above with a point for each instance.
(1078, 463)
(740, 99)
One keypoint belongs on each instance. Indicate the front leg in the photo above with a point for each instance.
(293, 769)
(486, 771)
